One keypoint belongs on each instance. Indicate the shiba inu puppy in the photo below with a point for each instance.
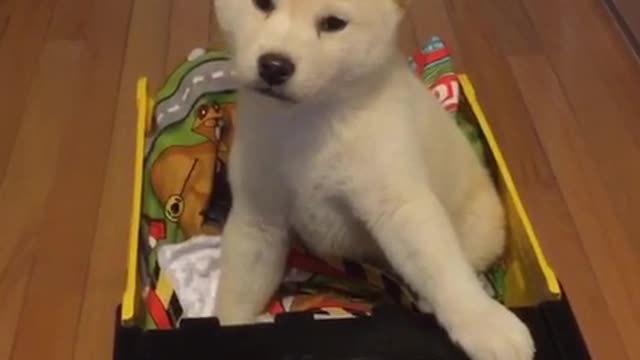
(337, 139)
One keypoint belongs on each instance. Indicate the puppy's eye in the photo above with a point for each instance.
(265, 6)
(332, 24)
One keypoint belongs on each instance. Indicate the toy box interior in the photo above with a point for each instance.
(325, 308)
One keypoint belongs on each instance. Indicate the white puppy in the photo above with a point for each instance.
(338, 140)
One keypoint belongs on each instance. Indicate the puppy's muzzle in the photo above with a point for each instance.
(275, 69)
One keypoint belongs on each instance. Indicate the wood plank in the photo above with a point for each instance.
(29, 179)
(28, 176)
(20, 153)
(14, 285)
(19, 58)
(70, 20)
(511, 26)
(6, 8)
(628, 13)
(505, 107)
(580, 180)
(601, 231)
(599, 88)
(55, 258)
(145, 56)
(3, 26)
(62, 257)
(189, 29)
(602, 95)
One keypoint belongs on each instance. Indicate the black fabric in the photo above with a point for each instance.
(392, 333)
(220, 200)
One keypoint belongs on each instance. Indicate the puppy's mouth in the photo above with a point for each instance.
(272, 93)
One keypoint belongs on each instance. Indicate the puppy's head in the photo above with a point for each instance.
(295, 50)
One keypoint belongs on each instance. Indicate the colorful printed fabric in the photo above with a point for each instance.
(184, 165)
(186, 194)
(335, 288)
(434, 65)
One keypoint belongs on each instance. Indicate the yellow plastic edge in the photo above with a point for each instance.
(550, 277)
(142, 122)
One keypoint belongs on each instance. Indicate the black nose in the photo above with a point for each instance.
(275, 69)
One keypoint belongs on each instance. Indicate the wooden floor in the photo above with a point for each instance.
(628, 14)
(554, 76)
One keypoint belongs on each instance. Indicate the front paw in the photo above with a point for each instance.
(232, 311)
(235, 318)
(492, 332)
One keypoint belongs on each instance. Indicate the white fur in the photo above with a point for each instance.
(363, 163)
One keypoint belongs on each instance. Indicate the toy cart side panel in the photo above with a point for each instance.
(548, 316)
(131, 298)
(530, 279)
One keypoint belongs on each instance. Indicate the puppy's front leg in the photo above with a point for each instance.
(254, 251)
(414, 231)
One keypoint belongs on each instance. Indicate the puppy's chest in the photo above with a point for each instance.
(316, 184)
(320, 210)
